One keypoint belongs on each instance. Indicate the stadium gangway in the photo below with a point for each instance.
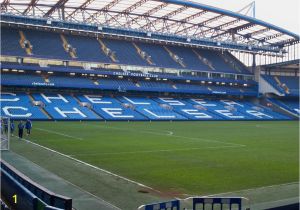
(201, 203)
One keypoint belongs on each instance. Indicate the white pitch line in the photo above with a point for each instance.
(58, 133)
(170, 135)
(156, 151)
(92, 166)
(98, 198)
(95, 196)
(249, 189)
(164, 133)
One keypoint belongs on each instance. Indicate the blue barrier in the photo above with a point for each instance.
(201, 203)
(221, 202)
(24, 198)
(46, 196)
(170, 205)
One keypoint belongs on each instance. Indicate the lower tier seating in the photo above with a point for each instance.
(43, 106)
(290, 104)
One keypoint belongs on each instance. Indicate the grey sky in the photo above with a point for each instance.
(285, 14)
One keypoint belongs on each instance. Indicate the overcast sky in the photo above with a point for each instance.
(283, 13)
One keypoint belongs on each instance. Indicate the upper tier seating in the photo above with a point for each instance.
(46, 44)
(190, 59)
(291, 82)
(288, 85)
(125, 52)
(271, 80)
(10, 42)
(97, 107)
(87, 49)
(159, 55)
(217, 61)
(51, 45)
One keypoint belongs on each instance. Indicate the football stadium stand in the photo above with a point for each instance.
(99, 107)
(287, 85)
(51, 45)
(291, 104)
(195, 72)
(233, 87)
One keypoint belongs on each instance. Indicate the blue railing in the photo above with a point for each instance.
(201, 203)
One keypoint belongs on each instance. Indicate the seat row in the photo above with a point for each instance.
(44, 106)
(51, 45)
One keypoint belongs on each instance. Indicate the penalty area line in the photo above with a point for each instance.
(92, 166)
(248, 190)
(58, 133)
(170, 134)
(158, 151)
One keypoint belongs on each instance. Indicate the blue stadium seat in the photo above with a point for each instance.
(190, 59)
(87, 48)
(159, 55)
(291, 82)
(125, 52)
(188, 110)
(46, 44)
(151, 109)
(110, 108)
(217, 61)
(10, 42)
(62, 107)
(97, 107)
(290, 104)
(19, 106)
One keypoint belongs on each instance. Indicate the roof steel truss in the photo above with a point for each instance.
(204, 22)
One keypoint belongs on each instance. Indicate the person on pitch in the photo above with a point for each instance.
(12, 127)
(21, 129)
(28, 126)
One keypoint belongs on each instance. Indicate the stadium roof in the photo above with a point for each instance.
(173, 17)
(292, 65)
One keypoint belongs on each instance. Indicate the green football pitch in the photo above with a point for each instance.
(176, 158)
